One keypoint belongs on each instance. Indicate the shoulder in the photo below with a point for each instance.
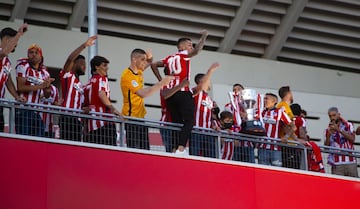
(126, 73)
(5, 60)
(22, 62)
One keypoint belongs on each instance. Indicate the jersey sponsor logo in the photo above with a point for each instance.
(79, 88)
(269, 120)
(207, 103)
(134, 83)
(34, 80)
(6, 69)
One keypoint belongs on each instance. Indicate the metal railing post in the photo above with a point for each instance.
(122, 133)
(12, 120)
(305, 160)
(218, 147)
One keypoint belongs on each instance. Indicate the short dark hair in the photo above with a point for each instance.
(96, 61)
(296, 109)
(238, 84)
(272, 95)
(226, 114)
(136, 52)
(198, 77)
(283, 91)
(79, 57)
(7, 32)
(333, 109)
(181, 40)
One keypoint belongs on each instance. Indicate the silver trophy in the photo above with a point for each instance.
(253, 105)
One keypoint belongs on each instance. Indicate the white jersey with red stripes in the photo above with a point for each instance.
(5, 69)
(203, 107)
(227, 149)
(96, 84)
(339, 141)
(272, 119)
(72, 90)
(33, 77)
(178, 65)
(53, 99)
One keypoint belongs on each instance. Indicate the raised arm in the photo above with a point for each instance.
(9, 46)
(156, 87)
(199, 46)
(149, 58)
(205, 81)
(70, 60)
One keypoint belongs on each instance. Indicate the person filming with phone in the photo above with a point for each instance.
(340, 134)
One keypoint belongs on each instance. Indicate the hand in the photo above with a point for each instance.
(166, 80)
(86, 110)
(118, 114)
(184, 83)
(358, 131)
(204, 33)
(20, 99)
(59, 103)
(23, 28)
(333, 126)
(90, 41)
(214, 66)
(217, 128)
(243, 114)
(47, 82)
(284, 139)
(149, 55)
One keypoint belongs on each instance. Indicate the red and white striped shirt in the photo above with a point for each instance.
(339, 141)
(33, 77)
(227, 149)
(299, 123)
(272, 119)
(5, 69)
(72, 90)
(53, 99)
(203, 107)
(178, 65)
(96, 84)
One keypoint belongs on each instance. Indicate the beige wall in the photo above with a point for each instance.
(315, 89)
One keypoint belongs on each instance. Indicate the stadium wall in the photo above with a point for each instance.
(40, 174)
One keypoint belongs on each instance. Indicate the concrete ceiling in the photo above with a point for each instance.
(323, 33)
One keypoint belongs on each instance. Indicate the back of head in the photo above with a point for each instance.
(79, 57)
(7, 32)
(296, 109)
(96, 61)
(182, 40)
(226, 114)
(198, 77)
(283, 91)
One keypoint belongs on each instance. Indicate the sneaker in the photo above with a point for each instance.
(181, 153)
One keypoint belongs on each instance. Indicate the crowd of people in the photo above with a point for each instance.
(190, 106)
